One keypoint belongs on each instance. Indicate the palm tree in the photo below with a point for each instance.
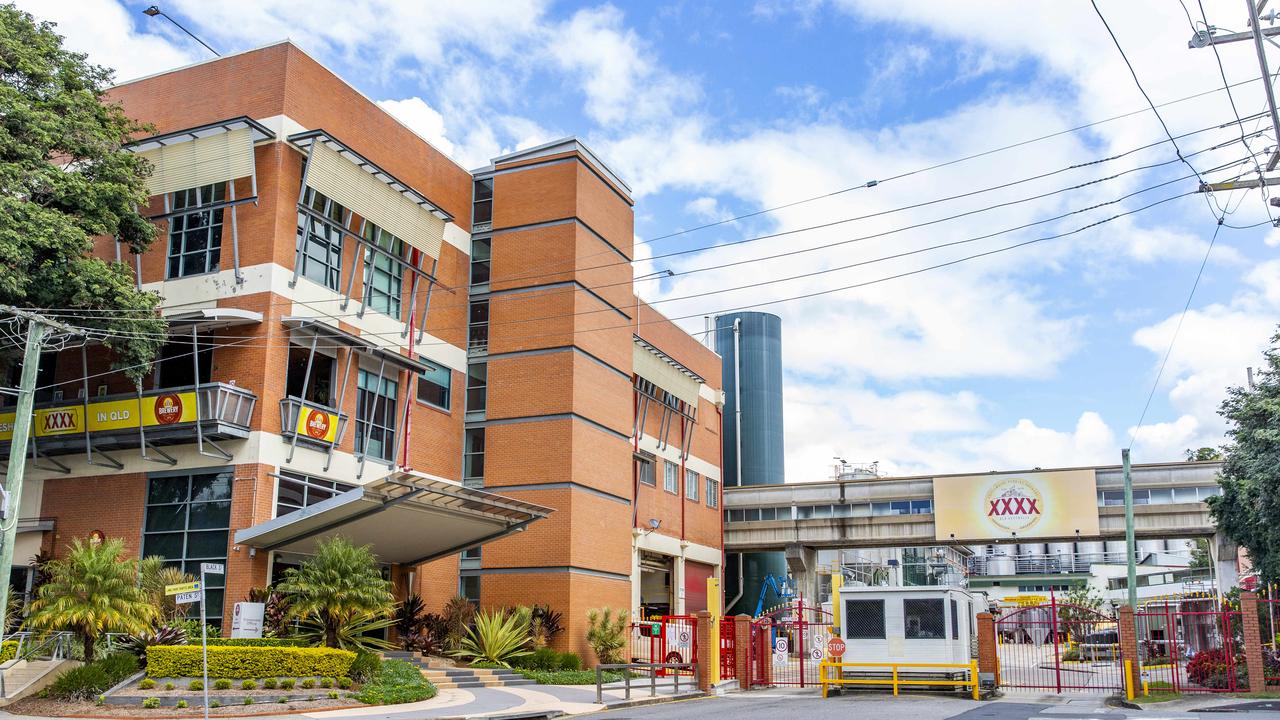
(337, 587)
(91, 591)
(155, 575)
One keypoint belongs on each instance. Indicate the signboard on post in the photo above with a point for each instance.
(835, 648)
(179, 588)
(189, 597)
(1058, 504)
(213, 569)
(246, 620)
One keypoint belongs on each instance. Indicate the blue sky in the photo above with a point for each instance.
(1039, 356)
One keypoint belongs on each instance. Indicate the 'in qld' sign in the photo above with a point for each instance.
(1024, 505)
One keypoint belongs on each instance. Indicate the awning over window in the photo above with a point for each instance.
(203, 155)
(314, 325)
(343, 175)
(182, 322)
(408, 517)
(660, 369)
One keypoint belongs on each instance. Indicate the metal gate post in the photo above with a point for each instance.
(800, 653)
(1053, 630)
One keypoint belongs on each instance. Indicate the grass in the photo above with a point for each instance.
(396, 682)
(567, 677)
(1165, 695)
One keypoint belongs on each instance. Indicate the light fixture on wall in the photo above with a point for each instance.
(654, 524)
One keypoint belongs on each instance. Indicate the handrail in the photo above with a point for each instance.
(828, 679)
(53, 646)
(626, 676)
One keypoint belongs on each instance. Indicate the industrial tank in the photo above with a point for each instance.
(750, 347)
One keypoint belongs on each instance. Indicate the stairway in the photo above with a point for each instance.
(446, 678)
(24, 677)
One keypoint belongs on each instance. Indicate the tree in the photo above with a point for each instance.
(339, 587)
(607, 634)
(154, 574)
(1080, 611)
(64, 179)
(91, 591)
(1203, 454)
(1247, 512)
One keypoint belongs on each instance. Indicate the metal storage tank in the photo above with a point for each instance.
(1062, 556)
(750, 347)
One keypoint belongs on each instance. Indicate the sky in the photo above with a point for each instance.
(1041, 352)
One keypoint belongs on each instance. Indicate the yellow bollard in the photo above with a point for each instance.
(895, 681)
(1128, 678)
(973, 675)
(1146, 689)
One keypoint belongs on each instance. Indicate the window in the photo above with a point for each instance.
(481, 257)
(321, 240)
(1116, 497)
(900, 507)
(469, 588)
(671, 477)
(473, 457)
(645, 470)
(477, 387)
(195, 238)
(434, 386)
(478, 327)
(921, 507)
(1184, 495)
(768, 513)
(186, 521)
(295, 491)
(383, 271)
(864, 619)
(376, 416)
(177, 368)
(482, 202)
(691, 485)
(924, 619)
(955, 620)
(319, 383)
(713, 493)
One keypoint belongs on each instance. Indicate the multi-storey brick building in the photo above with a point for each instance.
(423, 331)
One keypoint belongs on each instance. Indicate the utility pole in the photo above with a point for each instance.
(37, 328)
(1129, 543)
(1206, 38)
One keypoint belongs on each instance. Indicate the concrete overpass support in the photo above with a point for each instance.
(802, 562)
(1225, 558)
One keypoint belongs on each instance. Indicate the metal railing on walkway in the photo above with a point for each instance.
(832, 673)
(653, 668)
(53, 646)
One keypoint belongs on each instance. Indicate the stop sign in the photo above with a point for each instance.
(835, 647)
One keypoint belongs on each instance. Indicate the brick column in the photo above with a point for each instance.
(1252, 641)
(708, 634)
(988, 650)
(765, 658)
(1129, 645)
(742, 650)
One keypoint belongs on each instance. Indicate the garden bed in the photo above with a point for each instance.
(44, 707)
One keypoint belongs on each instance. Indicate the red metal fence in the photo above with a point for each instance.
(1191, 647)
(1059, 647)
(788, 644)
(666, 639)
(728, 650)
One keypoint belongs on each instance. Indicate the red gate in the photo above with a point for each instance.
(788, 644)
(728, 650)
(1059, 647)
(666, 639)
(1191, 646)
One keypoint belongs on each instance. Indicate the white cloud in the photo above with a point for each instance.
(421, 118)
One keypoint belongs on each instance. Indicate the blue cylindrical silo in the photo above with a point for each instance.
(750, 345)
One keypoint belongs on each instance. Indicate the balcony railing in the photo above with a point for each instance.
(310, 422)
(1045, 564)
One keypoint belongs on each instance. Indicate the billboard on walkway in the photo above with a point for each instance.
(1056, 504)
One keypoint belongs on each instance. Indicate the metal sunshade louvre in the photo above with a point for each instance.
(655, 369)
(200, 161)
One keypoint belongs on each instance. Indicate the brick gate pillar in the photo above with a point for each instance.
(742, 650)
(764, 657)
(708, 637)
(1252, 641)
(988, 650)
(1129, 646)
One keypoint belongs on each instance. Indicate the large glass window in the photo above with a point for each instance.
(691, 485)
(469, 588)
(176, 368)
(671, 477)
(383, 271)
(478, 334)
(473, 456)
(187, 521)
(434, 387)
(924, 619)
(482, 207)
(477, 387)
(865, 619)
(321, 239)
(481, 257)
(295, 491)
(376, 416)
(319, 383)
(195, 238)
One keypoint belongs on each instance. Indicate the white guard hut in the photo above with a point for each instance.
(918, 624)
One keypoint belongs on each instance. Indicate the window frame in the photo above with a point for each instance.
(383, 261)
(478, 330)
(479, 389)
(643, 461)
(212, 227)
(385, 426)
(213, 610)
(691, 480)
(308, 483)
(712, 491)
(670, 477)
(470, 456)
(328, 255)
(446, 389)
(485, 262)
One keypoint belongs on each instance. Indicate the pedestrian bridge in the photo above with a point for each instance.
(1169, 502)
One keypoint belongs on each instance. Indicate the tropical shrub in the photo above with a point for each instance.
(540, 659)
(499, 636)
(275, 611)
(459, 613)
(570, 661)
(151, 703)
(340, 585)
(146, 684)
(248, 700)
(326, 683)
(181, 704)
(222, 684)
(1212, 669)
(193, 627)
(8, 650)
(195, 685)
(364, 667)
(215, 703)
(153, 575)
(93, 679)
(249, 685)
(269, 683)
(168, 685)
(259, 642)
(333, 694)
(345, 682)
(396, 682)
(308, 683)
(544, 625)
(287, 684)
(247, 662)
(166, 635)
(607, 634)
(353, 632)
(91, 591)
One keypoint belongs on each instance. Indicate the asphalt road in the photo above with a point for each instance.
(807, 705)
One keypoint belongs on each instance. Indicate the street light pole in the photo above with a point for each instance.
(154, 11)
(1129, 542)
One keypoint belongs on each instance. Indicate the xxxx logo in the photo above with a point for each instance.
(1014, 504)
(59, 421)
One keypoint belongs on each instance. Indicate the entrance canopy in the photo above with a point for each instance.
(407, 517)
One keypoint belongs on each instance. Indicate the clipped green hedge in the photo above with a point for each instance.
(255, 642)
(8, 650)
(247, 662)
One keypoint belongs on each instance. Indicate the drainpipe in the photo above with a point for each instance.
(737, 437)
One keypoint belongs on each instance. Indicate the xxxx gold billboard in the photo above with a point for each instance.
(104, 415)
(1026, 505)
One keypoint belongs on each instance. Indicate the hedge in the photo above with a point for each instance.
(255, 642)
(8, 650)
(247, 662)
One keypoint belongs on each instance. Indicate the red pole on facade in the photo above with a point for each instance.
(1053, 630)
(800, 637)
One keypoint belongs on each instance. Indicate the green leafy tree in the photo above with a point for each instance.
(1247, 512)
(607, 634)
(1080, 611)
(154, 575)
(91, 591)
(338, 587)
(1202, 454)
(64, 179)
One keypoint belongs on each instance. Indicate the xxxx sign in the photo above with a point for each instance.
(1026, 505)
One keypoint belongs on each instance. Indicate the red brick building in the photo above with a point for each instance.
(347, 303)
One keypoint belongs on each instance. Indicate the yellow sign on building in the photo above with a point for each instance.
(317, 425)
(1058, 504)
(104, 415)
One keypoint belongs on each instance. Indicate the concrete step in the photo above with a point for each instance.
(473, 677)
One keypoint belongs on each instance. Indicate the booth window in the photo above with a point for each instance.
(195, 236)
(955, 620)
(434, 387)
(295, 491)
(645, 470)
(383, 270)
(924, 619)
(671, 477)
(375, 415)
(186, 521)
(864, 619)
(321, 240)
